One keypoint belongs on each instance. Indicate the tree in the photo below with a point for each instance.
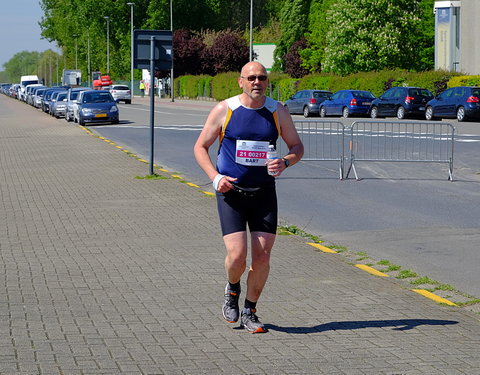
(188, 50)
(293, 18)
(426, 37)
(313, 55)
(228, 53)
(371, 35)
(293, 62)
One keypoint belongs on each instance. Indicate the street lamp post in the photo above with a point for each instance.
(131, 46)
(76, 50)
(108, 43)
(171, 70)
(88, 59)
(251, 30)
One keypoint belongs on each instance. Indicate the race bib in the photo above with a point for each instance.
(251, 153)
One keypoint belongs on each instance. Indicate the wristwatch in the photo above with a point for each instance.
(287, 162)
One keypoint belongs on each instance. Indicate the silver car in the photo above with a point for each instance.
(72, 101)
(121, 93)
(58, 107)
(307, 102)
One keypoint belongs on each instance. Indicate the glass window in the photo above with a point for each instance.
(388, 94)
(476, 91)
(320, 94)
(459, 91)
(398, 93)
(446, 94)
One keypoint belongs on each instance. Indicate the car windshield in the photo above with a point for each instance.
(26, 83)
(319, 94)
(62, 96)
(97, 97)
(363, 95)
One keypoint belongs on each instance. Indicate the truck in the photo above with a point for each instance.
(100, 81)
(72, 77)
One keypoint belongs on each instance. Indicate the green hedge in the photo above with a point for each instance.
(282, 86)
(225, 85)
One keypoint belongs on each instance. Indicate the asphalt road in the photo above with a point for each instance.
(406, 213)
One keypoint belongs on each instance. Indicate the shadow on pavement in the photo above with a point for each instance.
(400, 325)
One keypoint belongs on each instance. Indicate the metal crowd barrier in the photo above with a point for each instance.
(405, 141)
(376, 141)
(323, 141)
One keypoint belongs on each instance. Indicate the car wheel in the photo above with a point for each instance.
(400, 113)
(429, 113)
(115, 121)
(306, 112)
(374, 112)
(323, 112)
(128, 102)
(81, 121)
(345, 112)
(461, 114)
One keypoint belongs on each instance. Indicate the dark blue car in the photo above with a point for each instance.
(402, 102)
(462, 103)
(347, 102)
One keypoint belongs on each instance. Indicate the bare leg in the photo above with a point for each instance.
(236, 259)
(262, 244)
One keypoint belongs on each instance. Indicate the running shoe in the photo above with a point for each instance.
(230, 308)
(250, 322)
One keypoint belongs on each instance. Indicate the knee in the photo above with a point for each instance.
(237, 261)
(261, 260)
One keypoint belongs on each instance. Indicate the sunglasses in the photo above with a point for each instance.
(253, 78)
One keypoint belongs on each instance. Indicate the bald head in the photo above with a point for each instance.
(253, 66)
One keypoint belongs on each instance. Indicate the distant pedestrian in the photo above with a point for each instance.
(142, 88)
(245, 184)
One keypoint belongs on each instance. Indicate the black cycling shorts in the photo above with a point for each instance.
(258, 210)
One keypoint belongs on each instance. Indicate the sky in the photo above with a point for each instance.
(19, 29)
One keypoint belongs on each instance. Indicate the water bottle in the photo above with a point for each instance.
(271, 154)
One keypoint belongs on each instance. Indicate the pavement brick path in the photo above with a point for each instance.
(102, 273)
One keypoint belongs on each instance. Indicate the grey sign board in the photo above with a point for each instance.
(162, 49)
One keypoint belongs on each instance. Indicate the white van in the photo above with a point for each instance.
(25, 81)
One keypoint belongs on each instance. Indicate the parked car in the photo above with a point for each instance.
(47, 97)
(347, 102)
(37, 97)
(72, 101)
(33, 93)
(307, 102)
(461, 102)
(121, 93)
(95, 106)
(401, 102)
(58, 105)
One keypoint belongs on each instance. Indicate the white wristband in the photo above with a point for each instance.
(216, 181)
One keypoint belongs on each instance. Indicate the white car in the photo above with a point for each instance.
(121, 93)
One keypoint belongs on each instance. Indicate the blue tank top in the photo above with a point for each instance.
(245, 126)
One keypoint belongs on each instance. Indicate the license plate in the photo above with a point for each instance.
(421, 108)
(101, 115)
(366, 103)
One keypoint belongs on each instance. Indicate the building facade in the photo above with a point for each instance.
(456, 43)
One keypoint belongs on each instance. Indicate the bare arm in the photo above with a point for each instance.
(291, 138)
(207, 137)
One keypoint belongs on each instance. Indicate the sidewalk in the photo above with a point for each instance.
(103, 273)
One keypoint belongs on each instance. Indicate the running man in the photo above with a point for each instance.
(245, 184)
